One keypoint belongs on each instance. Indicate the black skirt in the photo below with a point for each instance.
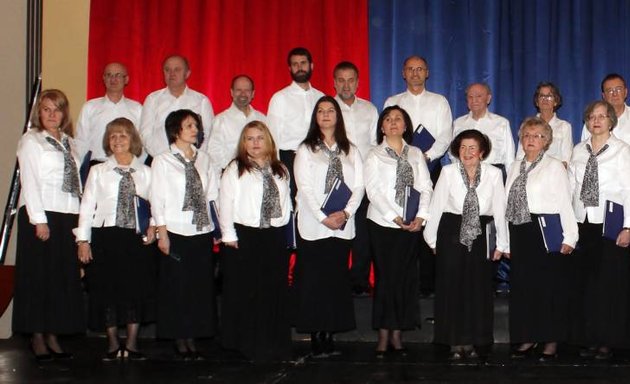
(254, 303)
(186, 297)
(121, 278)
(539, 287)
(396, 304)
(464, 298)
(48, 296)
(600, 290)
(322, 286)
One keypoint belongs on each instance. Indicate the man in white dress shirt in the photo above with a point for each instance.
(227, 125)
(360, 118)
(290, 109)
(175, 96)
(497, 128)
(97, 113)
(615, 92)
(427, 110)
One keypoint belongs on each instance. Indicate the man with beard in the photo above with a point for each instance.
(161, 103)
(360, 117)
(290, 109)
(615, 92)
(227, 125)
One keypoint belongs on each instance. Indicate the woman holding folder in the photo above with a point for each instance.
(599, 179)
(395, 170)
(182, 185)
(468, 199)
(326, 163)
(255, 206)
(121, 272)
(538, 185)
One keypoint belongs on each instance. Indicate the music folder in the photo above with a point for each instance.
(337, 198)
(613, 220)
(290, 232)
(422, 138)
(143, 215)
(214, 216)
(411, 203)
(551, 229)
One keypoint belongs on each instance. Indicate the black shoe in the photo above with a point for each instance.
(61, 355)
(455, 356)
(603, 355)
(471, 354)
(360, 292)
(328, 344)
(196, 356)
(182, 355)
(114, 355)
(523, 353)
(547, 358)
(134, 355)
(317, 347)
(380, 355)
(588, 353)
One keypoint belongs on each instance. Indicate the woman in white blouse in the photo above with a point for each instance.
(48, 298)
(255, 206)
(468, 197)
(183, 183)
(538, 185)
(547, 100)
(390, 168)
(121, 274)
(599, 173)
(322, 281)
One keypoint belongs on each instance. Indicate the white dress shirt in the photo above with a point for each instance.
(379, 172)
(226, 130)
(157, 107)
(289, 115)
(310, 176)
(614, 181)
(168, 188)
(360, 120)
(433, 112)
(497, 128)
(100, 197)
(94, 117)
(41, 175)
(562, 143)
(621, 130)
(241, 200)
(548, 191)
(450, 193)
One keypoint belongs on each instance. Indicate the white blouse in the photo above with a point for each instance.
(41, 175)
(100, 198)
(450, 193)
(241, 199)
(380, 184)
(310, 176)
(168, 188)
(548, 191)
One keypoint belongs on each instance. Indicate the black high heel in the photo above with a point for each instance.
(523, 353)
(113, 355)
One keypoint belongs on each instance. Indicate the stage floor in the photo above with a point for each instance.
(425, 363)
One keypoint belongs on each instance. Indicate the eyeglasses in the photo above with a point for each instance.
(533, 136)
(117, 76)
(548, 96)
(597, 117)
(614, 91)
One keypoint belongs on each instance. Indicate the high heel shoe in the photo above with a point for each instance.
(523, 353)
(134, 355)
(113, 355)
(61, 355)
(41, 357)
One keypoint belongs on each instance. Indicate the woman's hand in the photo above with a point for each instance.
(497, 255)
(415, 225)
(85, 252)
(566, 249)
(164, 243)
(150, 235)
(623, 239)
(233, 244)
(42, 231)
(335, 220)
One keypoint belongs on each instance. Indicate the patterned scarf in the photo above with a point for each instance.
(70, 172)
(471, 224)
(517, 208)
(125, 210)
(194, 199)
(270, 207)
(590, 184)
(404, 173)
(334, 165)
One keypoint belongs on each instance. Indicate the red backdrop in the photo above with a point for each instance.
(222, 38)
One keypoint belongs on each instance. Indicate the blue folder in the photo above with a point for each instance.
(491, 239)
(84, 170)
(412, 201)
(290, 232)
(551, 229)
(214, 216)
(143, 215)
(337, 197)
(422, 138)
(613, 220)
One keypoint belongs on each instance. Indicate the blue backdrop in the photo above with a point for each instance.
(511, 45)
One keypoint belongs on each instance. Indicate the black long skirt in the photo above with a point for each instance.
(600, 290)
(539, 288)
(121, 279)
(464, 298)
(48, 295)
(186, 297)
(322, 286)
(254, 309)
(396, 304)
